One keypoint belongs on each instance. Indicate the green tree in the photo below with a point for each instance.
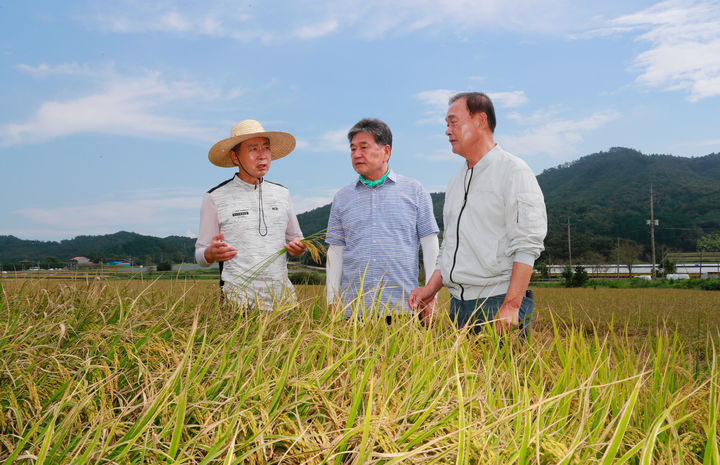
(596, 261)
(567, 275)
(629, 252)
(580, 277)
(543, 269)
(53, 262)
(709, 243)
(667, 266)
(164, 266)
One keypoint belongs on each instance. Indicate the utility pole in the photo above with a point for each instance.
(569, 246)
(652, 222)
(701, 263)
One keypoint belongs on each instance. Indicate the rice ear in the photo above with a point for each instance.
(315, 248)
(313, 244)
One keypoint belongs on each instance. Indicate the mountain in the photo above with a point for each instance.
(606, 197)
(143, 249)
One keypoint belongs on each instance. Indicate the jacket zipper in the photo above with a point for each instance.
(457, 239)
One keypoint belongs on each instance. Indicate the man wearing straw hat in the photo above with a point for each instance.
(495, 222)
(247, 219)
(376, 226)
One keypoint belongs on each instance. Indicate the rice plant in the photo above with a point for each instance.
(314, 246)
(159, 372)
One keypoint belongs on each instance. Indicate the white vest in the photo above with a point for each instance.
(254, 220)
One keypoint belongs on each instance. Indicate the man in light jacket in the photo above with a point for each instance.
(495, 224)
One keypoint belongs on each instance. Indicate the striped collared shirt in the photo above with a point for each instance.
(380, 230)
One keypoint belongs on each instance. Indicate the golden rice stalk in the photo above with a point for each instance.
(314, 246)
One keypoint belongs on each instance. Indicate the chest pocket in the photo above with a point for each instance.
(275, 213)
(233, 216)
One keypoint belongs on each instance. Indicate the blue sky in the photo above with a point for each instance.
(110, 107)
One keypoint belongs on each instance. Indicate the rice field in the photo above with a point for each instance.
(95, 371)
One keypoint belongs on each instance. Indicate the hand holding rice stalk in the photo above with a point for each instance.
(313, 244)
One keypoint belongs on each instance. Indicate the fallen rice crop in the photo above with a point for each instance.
(128, 372)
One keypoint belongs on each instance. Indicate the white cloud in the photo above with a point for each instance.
(173, 21)
(437, 100)
(157, 212)
(330, 141)
(436, 187)
(306, 203)
(537, 118)
(312, 19)
(546, 134)
(508, 99)
(383, 17)
(317, 30)
(45, 70)
(334, 141)
(557, 138)
(439, 155)
(684, 53)
(708, 142)
(157, 216)
(218, 18)
(122, 104)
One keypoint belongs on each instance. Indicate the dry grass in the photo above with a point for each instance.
(129, 372)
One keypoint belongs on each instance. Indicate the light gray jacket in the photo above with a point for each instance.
(494, 215)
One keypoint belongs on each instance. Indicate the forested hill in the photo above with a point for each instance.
(606, 196)
(121, 245)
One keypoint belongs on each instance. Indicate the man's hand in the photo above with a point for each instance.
(295, 247)
(420, 298)
(427, 311)
(423, 298)
(508, 316)
(219, 250)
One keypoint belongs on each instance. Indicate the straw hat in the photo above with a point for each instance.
(281, 143)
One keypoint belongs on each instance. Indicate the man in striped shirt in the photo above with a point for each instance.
(376, 226)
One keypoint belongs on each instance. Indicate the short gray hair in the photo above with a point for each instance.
(477, 102)
(375, 127)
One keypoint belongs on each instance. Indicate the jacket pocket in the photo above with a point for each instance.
(531, 210)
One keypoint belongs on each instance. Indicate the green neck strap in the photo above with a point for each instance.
(374, 183)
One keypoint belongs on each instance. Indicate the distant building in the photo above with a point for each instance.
(80, 261)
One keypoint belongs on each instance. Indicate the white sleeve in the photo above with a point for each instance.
(430, 249)
(209, 228)
(525, 218)
(333, 272)
(293, 227)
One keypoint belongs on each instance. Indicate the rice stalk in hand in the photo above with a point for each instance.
(314, 247)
